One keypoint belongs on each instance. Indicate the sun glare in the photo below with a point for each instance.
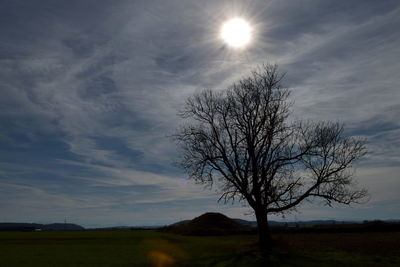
(236, 32)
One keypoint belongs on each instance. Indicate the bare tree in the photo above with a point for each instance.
(244, 138)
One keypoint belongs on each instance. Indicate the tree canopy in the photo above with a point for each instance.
(245, 138)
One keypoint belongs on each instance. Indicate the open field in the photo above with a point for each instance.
(152, 248)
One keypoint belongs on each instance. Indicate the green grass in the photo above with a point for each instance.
(151, 248)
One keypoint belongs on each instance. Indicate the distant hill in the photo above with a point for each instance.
(219, 224)
(333, 226)
(62, 227)
(254, 223)
(141, 227)
(180, 223)
(246, 223)
(293, 224)
(27, 227)
(208, 224)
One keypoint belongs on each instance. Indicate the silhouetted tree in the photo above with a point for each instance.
(244, 139)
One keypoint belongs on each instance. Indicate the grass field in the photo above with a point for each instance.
(152, 248)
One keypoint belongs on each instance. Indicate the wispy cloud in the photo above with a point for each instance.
(91, 90)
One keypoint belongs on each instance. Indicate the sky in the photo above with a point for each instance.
(90, 93)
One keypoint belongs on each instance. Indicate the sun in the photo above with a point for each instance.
(236, 32)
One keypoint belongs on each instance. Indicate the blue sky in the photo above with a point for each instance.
(90, 90)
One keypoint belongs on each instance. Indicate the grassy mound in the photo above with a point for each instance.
(209, 224)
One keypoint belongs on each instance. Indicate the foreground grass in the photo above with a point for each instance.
(152, 248)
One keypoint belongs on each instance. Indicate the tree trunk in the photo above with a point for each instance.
(264, 234)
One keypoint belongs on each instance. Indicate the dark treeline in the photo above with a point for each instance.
(366, 226)
(31, 227)
(224, 227)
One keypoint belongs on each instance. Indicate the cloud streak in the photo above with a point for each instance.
(91, 90)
